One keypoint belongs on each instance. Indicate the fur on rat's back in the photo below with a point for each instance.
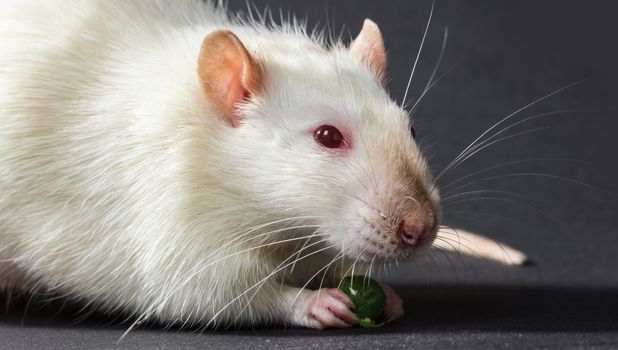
(89, 167)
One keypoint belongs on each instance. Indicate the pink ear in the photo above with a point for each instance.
(228, 74)
(369, 47)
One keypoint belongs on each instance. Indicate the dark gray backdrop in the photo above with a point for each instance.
(507, 54)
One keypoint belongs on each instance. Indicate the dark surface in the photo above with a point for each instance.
(509, 53)
(437, 316)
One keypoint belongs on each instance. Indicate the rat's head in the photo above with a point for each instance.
(314, 136)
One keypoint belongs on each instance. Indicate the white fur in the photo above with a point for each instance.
(122, 187)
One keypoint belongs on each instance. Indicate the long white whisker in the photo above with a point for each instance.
(485, 144)
(467, 193)
(473, 149)
(262, 280)
(303, 247)
(283, 262)
(325, 267)
(146, 313)
(502, 165)
(535, 208)
(405, 95)
(268, 233)
(236, 239)
(437, 65)
(435, 82)
(352, 266)
(258, 247)
(448, 167)
(552, 176)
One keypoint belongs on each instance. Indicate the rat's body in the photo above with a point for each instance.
(129, 179)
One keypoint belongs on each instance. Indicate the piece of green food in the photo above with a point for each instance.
(368, 298)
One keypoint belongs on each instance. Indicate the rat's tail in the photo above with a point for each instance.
(464, 242)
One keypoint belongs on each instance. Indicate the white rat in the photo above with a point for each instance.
(162, 159)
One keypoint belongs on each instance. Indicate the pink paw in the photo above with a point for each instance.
(394, 305)
(326, 308)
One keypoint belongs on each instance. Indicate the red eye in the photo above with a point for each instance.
(328, 136)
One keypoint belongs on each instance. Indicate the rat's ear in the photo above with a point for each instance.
(228, 74)
(369, 47)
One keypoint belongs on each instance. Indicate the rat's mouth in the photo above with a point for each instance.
(390, 250)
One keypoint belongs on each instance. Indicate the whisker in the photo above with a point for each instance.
(439, 61)
(435, 82)
(448, 167)
(236, 239)
(552, 176)
(451, 241)
(414, 200)
(262, 246)
(447, 230)
(339, 256)
(352, 266)
(535, 208)
(488, 142)
(483, 145)
(501, 165)
(405, 95)
(294, 300)
(468, 193)
(450, 262)
(259, 284)
(327, 266)
(213, 318)
(368, 271)
(436, 267)
(303, 247)
(541, 115)
(146, 313)
(268, 233)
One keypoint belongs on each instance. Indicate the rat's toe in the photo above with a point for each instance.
(328, 308)
(394, 305)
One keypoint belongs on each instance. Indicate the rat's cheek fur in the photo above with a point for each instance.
(383, 189)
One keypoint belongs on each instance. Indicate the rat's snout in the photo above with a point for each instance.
(416, 231)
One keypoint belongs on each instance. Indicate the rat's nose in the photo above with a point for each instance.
(412, 234)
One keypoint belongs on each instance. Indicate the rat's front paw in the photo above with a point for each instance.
(325, 308)
(394, 305)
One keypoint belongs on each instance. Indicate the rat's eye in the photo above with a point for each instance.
(328, 136)
(413, 132)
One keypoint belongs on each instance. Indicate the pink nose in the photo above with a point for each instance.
(411, 234)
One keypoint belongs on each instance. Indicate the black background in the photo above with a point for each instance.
(505, 54)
